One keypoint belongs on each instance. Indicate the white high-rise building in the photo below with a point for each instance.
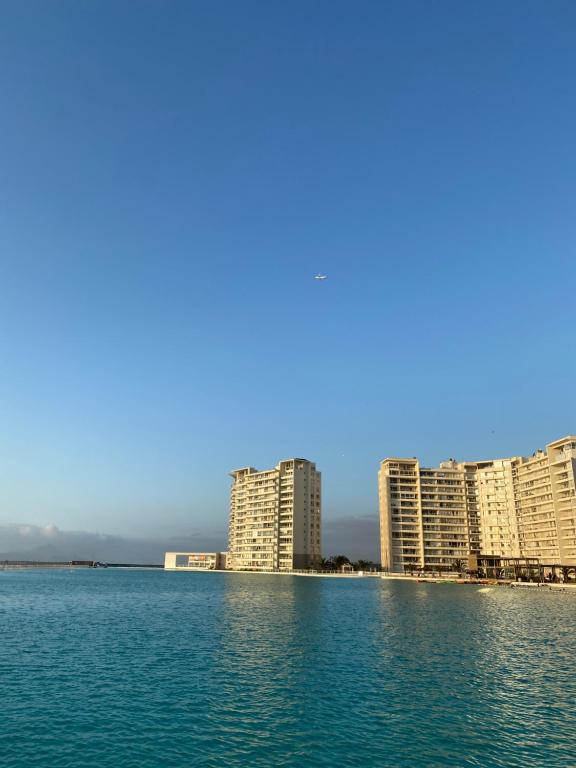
(275, 517)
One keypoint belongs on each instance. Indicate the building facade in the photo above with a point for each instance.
(423, 515)
(514, 507)
(275, 517)
(546, 503)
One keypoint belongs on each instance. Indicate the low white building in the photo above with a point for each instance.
(195, 561)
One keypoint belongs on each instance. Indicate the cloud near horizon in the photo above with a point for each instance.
(356, 537)
(50, 543)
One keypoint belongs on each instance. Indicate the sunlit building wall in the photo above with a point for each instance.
(275, 517)
(496, 508)
(423, 515)
(546, 503)
(514, 507)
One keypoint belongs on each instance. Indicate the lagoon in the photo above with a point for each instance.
(114, 668)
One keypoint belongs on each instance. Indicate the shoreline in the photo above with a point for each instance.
(456, 581)
(480, 582)
(354, 575)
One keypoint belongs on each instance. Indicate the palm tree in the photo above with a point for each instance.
(340, 560)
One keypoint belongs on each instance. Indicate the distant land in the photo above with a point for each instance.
(355, 536)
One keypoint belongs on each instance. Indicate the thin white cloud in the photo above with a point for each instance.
(50, 543)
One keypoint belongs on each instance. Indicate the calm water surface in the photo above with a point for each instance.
(147, 669)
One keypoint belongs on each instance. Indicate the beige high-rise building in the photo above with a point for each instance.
(423, 515)
(546, 503)
(514, 507)
(275, 517)
(496, 508)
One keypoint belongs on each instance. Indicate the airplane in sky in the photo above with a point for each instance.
(320, 277)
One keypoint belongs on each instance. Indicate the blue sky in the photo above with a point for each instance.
(172, 177)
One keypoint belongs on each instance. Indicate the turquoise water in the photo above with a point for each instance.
(148, 669)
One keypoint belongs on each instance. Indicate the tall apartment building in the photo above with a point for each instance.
(275, 517)
(496, 508)
(514, 507)
(423, 515)
(546, 502)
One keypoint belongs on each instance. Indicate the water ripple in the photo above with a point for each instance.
(142, 669)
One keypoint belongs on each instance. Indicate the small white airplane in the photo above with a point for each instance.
(320, 277)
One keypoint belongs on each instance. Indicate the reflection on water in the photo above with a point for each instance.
(144, 669)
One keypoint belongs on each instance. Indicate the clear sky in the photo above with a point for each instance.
(172, 177)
